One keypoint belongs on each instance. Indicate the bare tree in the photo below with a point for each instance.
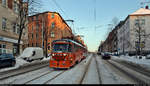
(141, 36)
(25, 8)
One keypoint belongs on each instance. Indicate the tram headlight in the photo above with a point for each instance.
(53, 54)
(65, 54)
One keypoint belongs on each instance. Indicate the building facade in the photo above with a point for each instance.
(9, 31)
(45, 27)
(128, 34)
(131, 35)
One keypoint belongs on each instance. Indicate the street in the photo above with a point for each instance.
(92, 70)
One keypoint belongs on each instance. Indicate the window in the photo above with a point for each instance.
(2, 48)
(53, 25)
(32, 18)
(37, 36)
(18, 29)
(15, 7)
(37, 26)
(32, 27)
(14, 49)
(53, 15)
(52, 34)
(4, 3)
(4, 23)
(136, 22)
(32, 36)
(14, 27)
(143, 22)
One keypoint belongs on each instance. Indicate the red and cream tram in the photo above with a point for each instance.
(66, 53)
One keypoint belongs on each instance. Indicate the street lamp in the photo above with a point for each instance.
(72, 21)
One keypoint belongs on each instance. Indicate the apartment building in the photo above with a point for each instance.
(45, 27)
(9, 31)
(128, 36)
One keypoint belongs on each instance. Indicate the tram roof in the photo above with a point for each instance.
(69, 40)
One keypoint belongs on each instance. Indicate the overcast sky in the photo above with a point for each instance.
(82, 12)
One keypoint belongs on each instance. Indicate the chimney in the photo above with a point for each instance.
(147, 7)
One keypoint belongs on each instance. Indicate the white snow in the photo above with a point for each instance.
(21, 62)
(74, 75)
(108, 76)
(91, 76)
(20, 79)
(143, 62)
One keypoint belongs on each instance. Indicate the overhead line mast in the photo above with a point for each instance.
(95, 14)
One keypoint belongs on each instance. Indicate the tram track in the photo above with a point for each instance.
(87, 70)
(98, 70)
(45, 77)
(54, 77)
(131, 72)
(54, 74)
(85, 73)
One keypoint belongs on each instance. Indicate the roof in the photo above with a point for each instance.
(69, 40)
(54, 13)
(141, 11)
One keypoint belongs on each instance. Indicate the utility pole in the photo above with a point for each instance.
(46, 30)
(72, 21)
(123, 39)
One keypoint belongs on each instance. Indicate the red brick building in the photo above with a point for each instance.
(45, 27)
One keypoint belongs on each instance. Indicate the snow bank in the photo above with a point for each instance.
(142, 62)
(21, 62)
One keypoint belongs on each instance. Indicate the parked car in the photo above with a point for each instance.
(7, 60)
(98, 53)
(32, 53)
(106, 56)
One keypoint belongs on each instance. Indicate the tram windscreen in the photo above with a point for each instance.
(62, 48)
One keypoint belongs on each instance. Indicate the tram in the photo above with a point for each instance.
(66, 53)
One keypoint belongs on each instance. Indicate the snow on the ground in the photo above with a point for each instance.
(20, 79)
(21, 62)
(143, 62)
(73, 75)
(91, 76)
(108, 76)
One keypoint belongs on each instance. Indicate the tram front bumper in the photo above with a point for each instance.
(60, 64)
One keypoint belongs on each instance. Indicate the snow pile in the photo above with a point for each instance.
(143, 62)
(20, 61)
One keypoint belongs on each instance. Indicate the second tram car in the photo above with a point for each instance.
(66, 53)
